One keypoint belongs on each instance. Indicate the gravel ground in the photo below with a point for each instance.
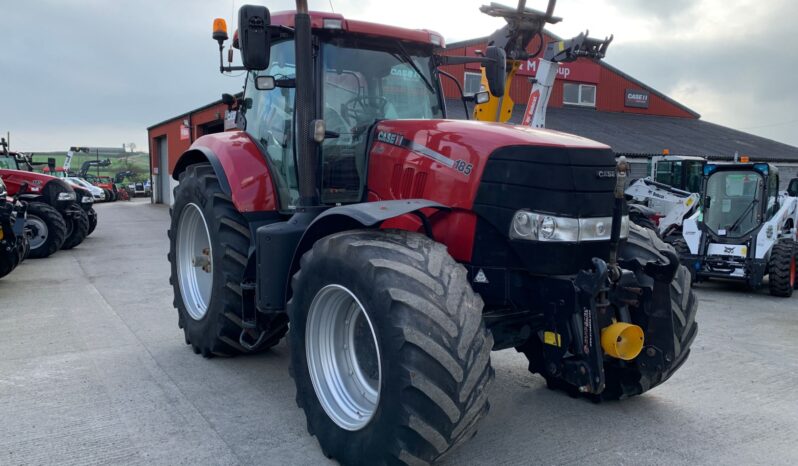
(94, 371)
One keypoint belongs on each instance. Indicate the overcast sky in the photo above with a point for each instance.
(99, 72)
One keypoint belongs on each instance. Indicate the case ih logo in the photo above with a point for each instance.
(636, 98)
(398, 140)
(605, 174)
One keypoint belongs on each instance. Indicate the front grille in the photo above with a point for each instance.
(561, 181)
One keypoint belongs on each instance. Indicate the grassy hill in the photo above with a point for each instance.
(136, 161)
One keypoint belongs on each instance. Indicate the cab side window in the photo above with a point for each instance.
(270, 121)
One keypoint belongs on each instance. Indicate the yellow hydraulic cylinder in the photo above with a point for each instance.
(622, 340)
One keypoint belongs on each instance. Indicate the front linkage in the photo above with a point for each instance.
(596, 321)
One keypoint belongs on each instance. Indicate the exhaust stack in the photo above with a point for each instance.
(305, 107)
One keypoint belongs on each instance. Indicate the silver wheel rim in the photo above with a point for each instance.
(194, 261)
(343, 357)
(38, 231)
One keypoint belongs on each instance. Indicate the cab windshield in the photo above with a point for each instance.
(8, 162)
(364, 82)
(733, 198)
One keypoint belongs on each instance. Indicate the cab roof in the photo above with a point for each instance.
(327, 20)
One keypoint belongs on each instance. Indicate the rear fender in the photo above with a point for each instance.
(240, 167)
(281, 245)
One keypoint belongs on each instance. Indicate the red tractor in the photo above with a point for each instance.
(57, 212)
(403, 247)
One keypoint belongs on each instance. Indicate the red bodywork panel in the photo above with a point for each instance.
(246, 170)
(443, 160)
(424, 36)
(13, 179)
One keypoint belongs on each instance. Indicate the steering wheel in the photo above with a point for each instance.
(361, 109)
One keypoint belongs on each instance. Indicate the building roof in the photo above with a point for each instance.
(639, 135)
(602, 63)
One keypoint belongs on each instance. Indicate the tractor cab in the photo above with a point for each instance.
(678, 171)
(360, 80)
(746, 227)
(8, 161)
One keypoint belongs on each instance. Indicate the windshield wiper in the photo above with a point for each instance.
(406, 57)
(737, 222)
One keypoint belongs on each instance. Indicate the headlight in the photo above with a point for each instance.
(66, 196)
(541, 227)
(86, 199)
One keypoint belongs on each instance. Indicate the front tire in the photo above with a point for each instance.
(626, 380)
(48, 230)
(77, 228)
(92, 220)
(419, 340)
(9, 258)
(781, 268)
(680, 246)
(209, 242)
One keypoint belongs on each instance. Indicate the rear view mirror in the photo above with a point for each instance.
(253, 36)
(792, 188)
(496, 70)
(265, 83)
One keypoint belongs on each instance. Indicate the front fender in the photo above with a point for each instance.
(239, 165)
(280, 245)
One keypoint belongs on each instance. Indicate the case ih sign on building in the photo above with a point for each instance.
(636, 98)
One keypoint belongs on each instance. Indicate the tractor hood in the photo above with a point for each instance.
(480, 137)
(36, 181)
(453, 155)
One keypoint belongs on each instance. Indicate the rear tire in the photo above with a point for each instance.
(48, 228)
(432, 347)
(92, 220)
(77, 228)
(215, 329)
(781, 268)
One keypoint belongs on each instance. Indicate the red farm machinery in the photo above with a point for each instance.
(403, 247)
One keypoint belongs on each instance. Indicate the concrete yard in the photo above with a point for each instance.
(94, 370)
